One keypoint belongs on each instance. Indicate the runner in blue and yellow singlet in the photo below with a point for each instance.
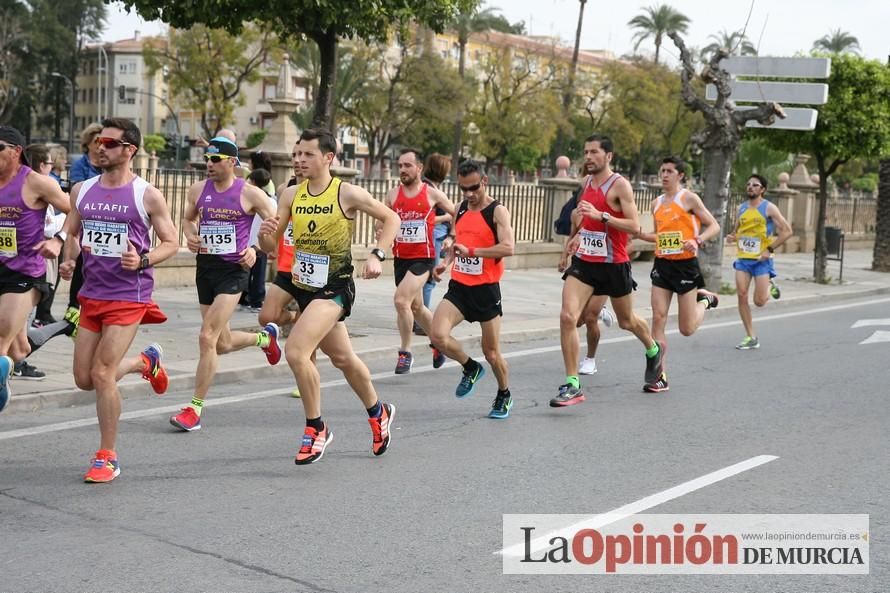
(758, 220)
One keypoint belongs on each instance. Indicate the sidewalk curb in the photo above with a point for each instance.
(133, 388)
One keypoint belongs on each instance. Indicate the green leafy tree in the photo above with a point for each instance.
(522, 158)
(473, 19)
(519, 104)
(323, 21)
(837, 42)
(256, 138)
(154, 143)
(207, 68)
(397, 98)
(755, 155)
(656, 22)
(854, 123)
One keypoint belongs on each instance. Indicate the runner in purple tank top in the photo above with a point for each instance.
(111, 219)
(216, 223)
(24, 196)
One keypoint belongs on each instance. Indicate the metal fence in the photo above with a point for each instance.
(857, 215)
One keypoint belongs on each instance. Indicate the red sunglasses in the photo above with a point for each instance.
(110, 143)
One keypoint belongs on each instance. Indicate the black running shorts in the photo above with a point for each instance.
(418, 267)
(677, 275)
(214, 276)
(476, 303)
(614, 280)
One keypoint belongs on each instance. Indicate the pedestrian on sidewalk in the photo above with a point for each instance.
(682, 225)
(435, 172)
(321, 211)
(757, 222)
(111, 222)
(483, 237)
(217, 219)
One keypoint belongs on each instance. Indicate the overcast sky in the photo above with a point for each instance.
(780, 28)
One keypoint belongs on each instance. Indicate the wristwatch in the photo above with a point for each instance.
(770, 249)
(61, 235)
(605, 217)
(143, 262)
(378, 253)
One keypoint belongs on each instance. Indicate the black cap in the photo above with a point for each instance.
(13, 137)
(220, 145)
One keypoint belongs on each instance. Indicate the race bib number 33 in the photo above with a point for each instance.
(311, 269)
(105, 239)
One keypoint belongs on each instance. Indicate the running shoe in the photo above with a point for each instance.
(72, 316)
(587, 367)
(438, 357)
(24, 370)
(568, 395)
(380, 429)
(313, 445)
(405, 362)
(654, 366)
(6, 366)
(273, 349)
(501, 407)
(296, 393)
(187, 419)
(154, 372)
(748, 343)
(468, 381)
(658, 386)
(104, 467)
(774, 290)
(606, 317)
(709, 297)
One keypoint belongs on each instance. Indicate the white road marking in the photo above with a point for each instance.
(868, 322)
(877, 337)
(597, 521)
(58, 426)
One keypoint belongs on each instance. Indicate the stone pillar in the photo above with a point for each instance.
(283, 133)
(562, 191)
(803, 220)
(153, 162)
(785, 199)
(347, 174)
(562, 166)
(140, 161)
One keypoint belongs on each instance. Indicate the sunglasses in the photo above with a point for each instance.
(110, 143)
(5, 146)
(216, 158)
(753, 185)
(469, 188)
(48, 163)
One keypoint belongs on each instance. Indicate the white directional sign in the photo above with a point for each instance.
(755, 91)
(747, 87)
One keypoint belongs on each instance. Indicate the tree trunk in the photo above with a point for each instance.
(570, 87)
(881, 260)
(459, 123)
(820, 264)
(717, 167)
(323, 116)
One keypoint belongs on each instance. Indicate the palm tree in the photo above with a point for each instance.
(837, 42)
(467, 23)
(656, 22)
(881, 260)
(736, 43)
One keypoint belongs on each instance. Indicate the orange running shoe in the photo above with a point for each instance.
(313, 445)
(187, 420)
(380, 429)
(103, 468)
(154, 371)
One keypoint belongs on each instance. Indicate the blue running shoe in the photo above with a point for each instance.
(6, 366)
(501, 406)
(273, 348)
(468, 382)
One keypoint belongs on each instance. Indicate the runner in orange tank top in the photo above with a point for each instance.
(605, 216)
(679, 215)
(483, 236)
(414, 251)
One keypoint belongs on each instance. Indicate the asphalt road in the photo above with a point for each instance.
(225, 508)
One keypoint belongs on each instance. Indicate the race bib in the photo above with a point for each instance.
(750, 245)
(8, 244)
(468, 265)
(218, 239)
(412, 231)
(311, 269)
(289, 234)
(105, 239)
(669, 243)
(593, 243)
